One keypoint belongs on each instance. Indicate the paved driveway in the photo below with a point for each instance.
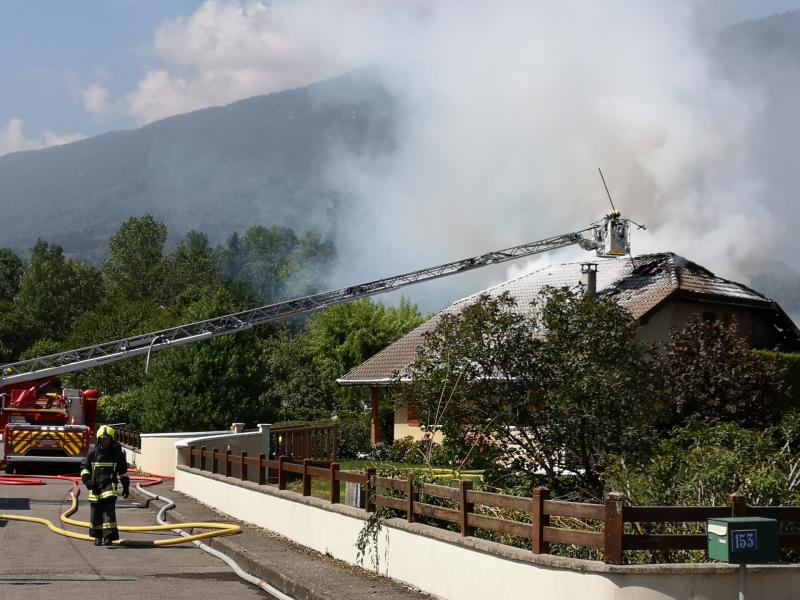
(35, 563)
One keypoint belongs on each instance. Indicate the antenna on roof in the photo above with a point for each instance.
(613, 208)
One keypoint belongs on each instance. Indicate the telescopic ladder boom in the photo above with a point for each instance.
(609, 238)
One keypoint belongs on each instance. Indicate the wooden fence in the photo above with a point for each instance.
(605, 523)
(129, 438)
(315, 442)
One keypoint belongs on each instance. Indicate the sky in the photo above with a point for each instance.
(77, 69)
(507, 108)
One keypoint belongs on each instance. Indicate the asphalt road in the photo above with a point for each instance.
(36, 563)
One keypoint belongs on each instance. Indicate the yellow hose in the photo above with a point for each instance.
(217, 529)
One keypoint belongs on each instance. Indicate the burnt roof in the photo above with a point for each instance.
(639, 284)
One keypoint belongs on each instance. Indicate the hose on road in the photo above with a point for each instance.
(169, 505)
(216, 529)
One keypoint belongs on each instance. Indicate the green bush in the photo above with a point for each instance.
(121, 408)
(354, 438)
(791, 363)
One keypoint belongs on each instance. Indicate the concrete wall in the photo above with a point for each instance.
(237, 441)
(444, 564)
(159, 454)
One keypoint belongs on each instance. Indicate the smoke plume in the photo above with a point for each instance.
(505, 112)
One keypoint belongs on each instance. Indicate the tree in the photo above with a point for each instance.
(294, 387)
(191, 263)
(346, 335)
(714, 375)
(54, 292)
(11, 270)
(113, 319)
(274, 263)
(555, 389)
(134, 269)
(206, 385)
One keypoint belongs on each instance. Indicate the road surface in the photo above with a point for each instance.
(36, 563)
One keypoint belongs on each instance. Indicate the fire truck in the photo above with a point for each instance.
(52, 427)
(43, 425)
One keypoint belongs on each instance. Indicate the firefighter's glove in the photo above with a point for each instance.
(85, 480)
(96, 490)
(126, 486)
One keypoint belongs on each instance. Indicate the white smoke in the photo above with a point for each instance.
(507, 109)
(13, 138)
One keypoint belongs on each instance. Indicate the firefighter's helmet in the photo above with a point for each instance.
(105, 430)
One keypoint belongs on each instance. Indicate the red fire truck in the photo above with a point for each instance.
(42, 425)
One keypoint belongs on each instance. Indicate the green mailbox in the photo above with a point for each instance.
(743, 540)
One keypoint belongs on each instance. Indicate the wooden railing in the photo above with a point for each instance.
(129, 438)
(466, 508)
(315, 442)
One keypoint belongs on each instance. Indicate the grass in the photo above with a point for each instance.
(320, 488)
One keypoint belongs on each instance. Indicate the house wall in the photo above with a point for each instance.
(752, 323)
(403, 429)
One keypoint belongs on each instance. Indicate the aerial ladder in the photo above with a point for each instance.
(609, 237)
(44, 426)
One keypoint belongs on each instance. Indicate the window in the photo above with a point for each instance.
(412, 420)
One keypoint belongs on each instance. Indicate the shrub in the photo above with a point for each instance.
(354, 438)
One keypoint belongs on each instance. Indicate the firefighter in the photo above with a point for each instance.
(105, 465)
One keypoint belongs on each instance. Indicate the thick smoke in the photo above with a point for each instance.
(509, 109)
(506, 111)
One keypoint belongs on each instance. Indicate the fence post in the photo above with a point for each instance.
(539, 521)
(202, 458)
(336, 442)
(228, 462)
(214, 460)
(243, 470)
(336, 492)
(410, 494)
(191, 457)
(306, 479)
(262, 469)
(281, 473)
(612, 549)
(466, 508)
(369, 504)
(738, 504)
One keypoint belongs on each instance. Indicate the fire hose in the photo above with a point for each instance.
(216, 529)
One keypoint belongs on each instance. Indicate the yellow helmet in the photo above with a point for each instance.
(105, 430)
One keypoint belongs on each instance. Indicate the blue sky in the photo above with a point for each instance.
(50, 49)
(53, 53)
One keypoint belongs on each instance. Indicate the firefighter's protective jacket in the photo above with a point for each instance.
(104, 468)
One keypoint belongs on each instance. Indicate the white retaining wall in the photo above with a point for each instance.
(159, 451)
(449, 566)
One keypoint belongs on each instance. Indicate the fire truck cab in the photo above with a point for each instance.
(41, 425)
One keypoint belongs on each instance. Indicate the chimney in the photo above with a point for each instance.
(589, 279)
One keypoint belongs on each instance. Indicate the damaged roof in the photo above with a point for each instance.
(639, 284)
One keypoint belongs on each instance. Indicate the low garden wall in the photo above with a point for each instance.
(449, 565)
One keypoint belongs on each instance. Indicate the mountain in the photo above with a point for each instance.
(218, 170)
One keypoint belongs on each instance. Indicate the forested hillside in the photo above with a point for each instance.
(277, 372)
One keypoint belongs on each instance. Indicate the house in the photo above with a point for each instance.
(661, 291)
